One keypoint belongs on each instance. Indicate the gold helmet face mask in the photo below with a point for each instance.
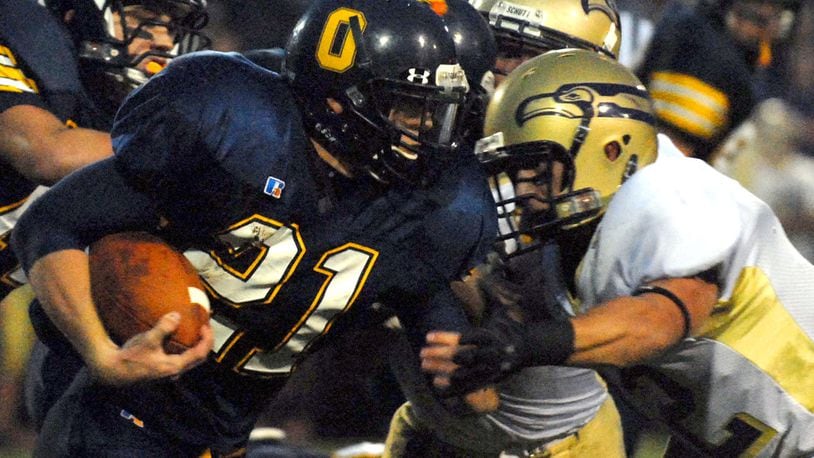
(563, 133)
(541, 25)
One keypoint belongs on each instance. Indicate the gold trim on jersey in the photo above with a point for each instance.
(261, 249)
(766, 433)
(689, 103)
(754, 323)
(230, 342)
(13, 206)
(12, 78)
(329, 273)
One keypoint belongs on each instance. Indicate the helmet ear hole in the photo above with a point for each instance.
(613, 150)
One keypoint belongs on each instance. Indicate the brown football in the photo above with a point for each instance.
(136, 278)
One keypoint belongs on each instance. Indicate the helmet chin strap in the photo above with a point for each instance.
(631, 166)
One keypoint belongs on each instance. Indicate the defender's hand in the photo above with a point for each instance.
(143, 357)
(461, 363)
(482, 356)
(438, 359)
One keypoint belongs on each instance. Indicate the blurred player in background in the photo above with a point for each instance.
(702, 64)
(527, 28)
(303, 201)
(772, 153)
(63, 72)
(695, 289)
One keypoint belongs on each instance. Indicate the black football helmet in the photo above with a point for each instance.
(723, 11)
(474, 42)
(102, 42)
(476, 48)
(383, 61)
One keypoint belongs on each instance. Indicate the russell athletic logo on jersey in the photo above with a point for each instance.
(274, 187)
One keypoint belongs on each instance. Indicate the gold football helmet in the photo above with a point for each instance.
(543, 25)
(563, 132)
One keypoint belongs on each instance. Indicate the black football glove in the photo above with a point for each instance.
(504, 345)
(524, 325)
(490, 353)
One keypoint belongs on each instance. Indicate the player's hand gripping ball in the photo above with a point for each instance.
(136, 278)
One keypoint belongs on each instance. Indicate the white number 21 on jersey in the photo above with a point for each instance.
(278, 251)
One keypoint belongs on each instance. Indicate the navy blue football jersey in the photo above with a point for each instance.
(213, 152)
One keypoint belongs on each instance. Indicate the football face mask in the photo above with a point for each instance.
(568, 128)
(134, 39)
(421, 118)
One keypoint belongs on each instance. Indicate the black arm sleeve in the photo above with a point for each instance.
(81, 208)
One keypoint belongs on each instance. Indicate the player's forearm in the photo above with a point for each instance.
(623, 332)
(76, 149)
(629, 330)
(61, 281)
(632, 329)
(48, 159)
(36, 144)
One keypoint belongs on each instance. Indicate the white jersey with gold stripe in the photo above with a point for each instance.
(744, 384)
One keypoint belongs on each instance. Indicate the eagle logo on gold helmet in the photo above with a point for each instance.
(588, 100)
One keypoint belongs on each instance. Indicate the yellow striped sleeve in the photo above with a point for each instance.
(690, 104)
(12, 78)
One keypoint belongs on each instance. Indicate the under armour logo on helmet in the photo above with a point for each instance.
(414, 76)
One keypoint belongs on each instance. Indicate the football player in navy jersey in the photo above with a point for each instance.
(303, 200)
(64, 70)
